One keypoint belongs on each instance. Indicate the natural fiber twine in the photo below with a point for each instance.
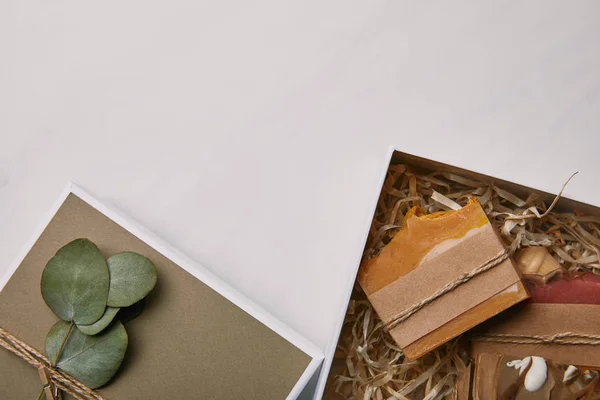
(56, 378)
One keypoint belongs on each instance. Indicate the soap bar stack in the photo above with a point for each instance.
(429, 252)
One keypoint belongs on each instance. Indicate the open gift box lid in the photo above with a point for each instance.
(197, 337)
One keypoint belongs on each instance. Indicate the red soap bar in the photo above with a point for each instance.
(581, 289)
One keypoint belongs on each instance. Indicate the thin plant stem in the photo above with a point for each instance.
(60, 349)
(62, 345)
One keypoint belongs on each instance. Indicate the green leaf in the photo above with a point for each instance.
(132, 277)
(91, 359)
(75, 282)
(102, 323)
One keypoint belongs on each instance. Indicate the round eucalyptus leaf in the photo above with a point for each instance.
(132, 277)
(75, 282)
(102, 323)
(91, 359)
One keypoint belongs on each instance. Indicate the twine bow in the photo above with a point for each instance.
(52, 378)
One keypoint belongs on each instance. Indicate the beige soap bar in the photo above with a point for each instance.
(428, 252)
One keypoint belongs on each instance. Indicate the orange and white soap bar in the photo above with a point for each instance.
(428, 252)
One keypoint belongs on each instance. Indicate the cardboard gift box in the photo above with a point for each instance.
(333, 365)
(196, 338)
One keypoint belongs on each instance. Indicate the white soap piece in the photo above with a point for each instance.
(537, 374)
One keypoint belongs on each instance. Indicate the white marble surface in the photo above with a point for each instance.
(251, 134)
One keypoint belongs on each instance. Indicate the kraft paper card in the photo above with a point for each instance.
(190, 342)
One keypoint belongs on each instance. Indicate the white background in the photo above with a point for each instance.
(252, 134)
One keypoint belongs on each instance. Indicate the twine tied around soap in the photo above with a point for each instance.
(461, 280)
(52, 378)
(564, 338)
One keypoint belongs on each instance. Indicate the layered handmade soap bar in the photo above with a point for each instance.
(503, 377)
(428, 253)
(559, 322)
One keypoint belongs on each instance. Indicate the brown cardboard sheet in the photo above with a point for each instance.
(189, 342)
(545, 320)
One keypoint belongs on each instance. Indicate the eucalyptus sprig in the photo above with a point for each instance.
(87, 292)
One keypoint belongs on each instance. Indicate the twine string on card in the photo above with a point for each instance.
(52, 378)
